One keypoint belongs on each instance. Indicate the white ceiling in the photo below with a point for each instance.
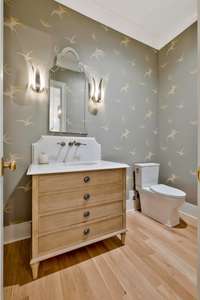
(153, 22)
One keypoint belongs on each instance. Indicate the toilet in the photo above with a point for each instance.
(158, 201)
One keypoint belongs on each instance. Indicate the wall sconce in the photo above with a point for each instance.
(96, 91)
(36, 84)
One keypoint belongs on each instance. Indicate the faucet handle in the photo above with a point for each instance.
(62, 144)
(77, 144)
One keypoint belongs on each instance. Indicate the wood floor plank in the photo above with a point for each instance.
(156, 263)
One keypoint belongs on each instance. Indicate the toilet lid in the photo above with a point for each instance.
(167, 191)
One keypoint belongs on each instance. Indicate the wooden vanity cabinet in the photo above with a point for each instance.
(72, 210)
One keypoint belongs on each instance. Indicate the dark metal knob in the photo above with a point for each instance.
(86, 214)
(86, 231)
(86, 196)
(86, 179)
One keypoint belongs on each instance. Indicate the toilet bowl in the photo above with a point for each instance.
(158, 201)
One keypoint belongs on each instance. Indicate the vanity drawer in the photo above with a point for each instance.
(53, 222)
(72, 181)
(77, 235)
(81, 198)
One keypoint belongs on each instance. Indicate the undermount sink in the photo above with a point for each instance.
(81, 163)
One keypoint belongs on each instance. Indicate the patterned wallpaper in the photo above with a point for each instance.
(177, 151)
(127, 124)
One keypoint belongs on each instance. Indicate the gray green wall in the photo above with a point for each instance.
(178, 113)
(127, 125)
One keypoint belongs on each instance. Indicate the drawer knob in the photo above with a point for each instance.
(86, 179)
(86, 196)
(86, 214)
(86, 231)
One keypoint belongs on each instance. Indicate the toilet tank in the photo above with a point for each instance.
(146, 174)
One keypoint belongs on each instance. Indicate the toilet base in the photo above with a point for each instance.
(163, 209)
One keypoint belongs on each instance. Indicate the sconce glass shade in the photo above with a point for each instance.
(36, 85)
(96, 90)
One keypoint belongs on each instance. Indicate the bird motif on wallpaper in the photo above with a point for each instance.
(169, 121)
(27, 122)
(155, 131)
(133, 63)
(194, 71)
(169, 163)
(164, 106)
(8, 208)
(148, 114)
(25, 188)
(171, 47)
(116, 148)
(6, 139)
(125, 134)
(71, 40)
(14, 156)
(193, 123)
(94, 36)
(142, 83)
(169, 77)
(147, 143)
(7, 70)
(146, 100)
(180, 106)
(172, 178)
(181, 152)
(56, 49)
(116, 52)
(59, 12)
(180, 59)
(133, 107)
(26, 55)
(172, 134)
(12, 23)
(146, 58)
(125, 41)
(11, 92)
(123, 119)
(155, 91)
(163, 148)
(45, 24)
(133, 152)
(148, 73)
(149, 156)
(124, 89)
(117, 101)
(98, 53)
(172, 90)
(164, 65)
(142, 126)
(105, 127)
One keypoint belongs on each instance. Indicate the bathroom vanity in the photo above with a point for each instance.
(74, 203)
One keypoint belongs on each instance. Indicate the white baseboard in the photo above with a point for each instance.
(17, 232)
(189, 213)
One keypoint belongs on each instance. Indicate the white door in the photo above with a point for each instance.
(1, 148)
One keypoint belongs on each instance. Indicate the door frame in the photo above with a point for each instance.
(198, 147)
(1, 148)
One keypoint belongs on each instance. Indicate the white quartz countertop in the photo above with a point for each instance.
(66, 167)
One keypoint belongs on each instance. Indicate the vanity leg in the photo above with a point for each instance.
(123, 237)
(35, 268)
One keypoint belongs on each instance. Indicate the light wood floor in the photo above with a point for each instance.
(156, 263)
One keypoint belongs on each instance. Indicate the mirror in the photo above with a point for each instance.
(68, 90)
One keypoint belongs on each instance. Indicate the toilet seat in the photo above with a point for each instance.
(166, 190)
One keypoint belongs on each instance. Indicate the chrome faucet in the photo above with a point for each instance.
(62, 144)
(77, 144)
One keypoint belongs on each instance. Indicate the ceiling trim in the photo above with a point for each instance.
(180, 28)
(91, 9)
